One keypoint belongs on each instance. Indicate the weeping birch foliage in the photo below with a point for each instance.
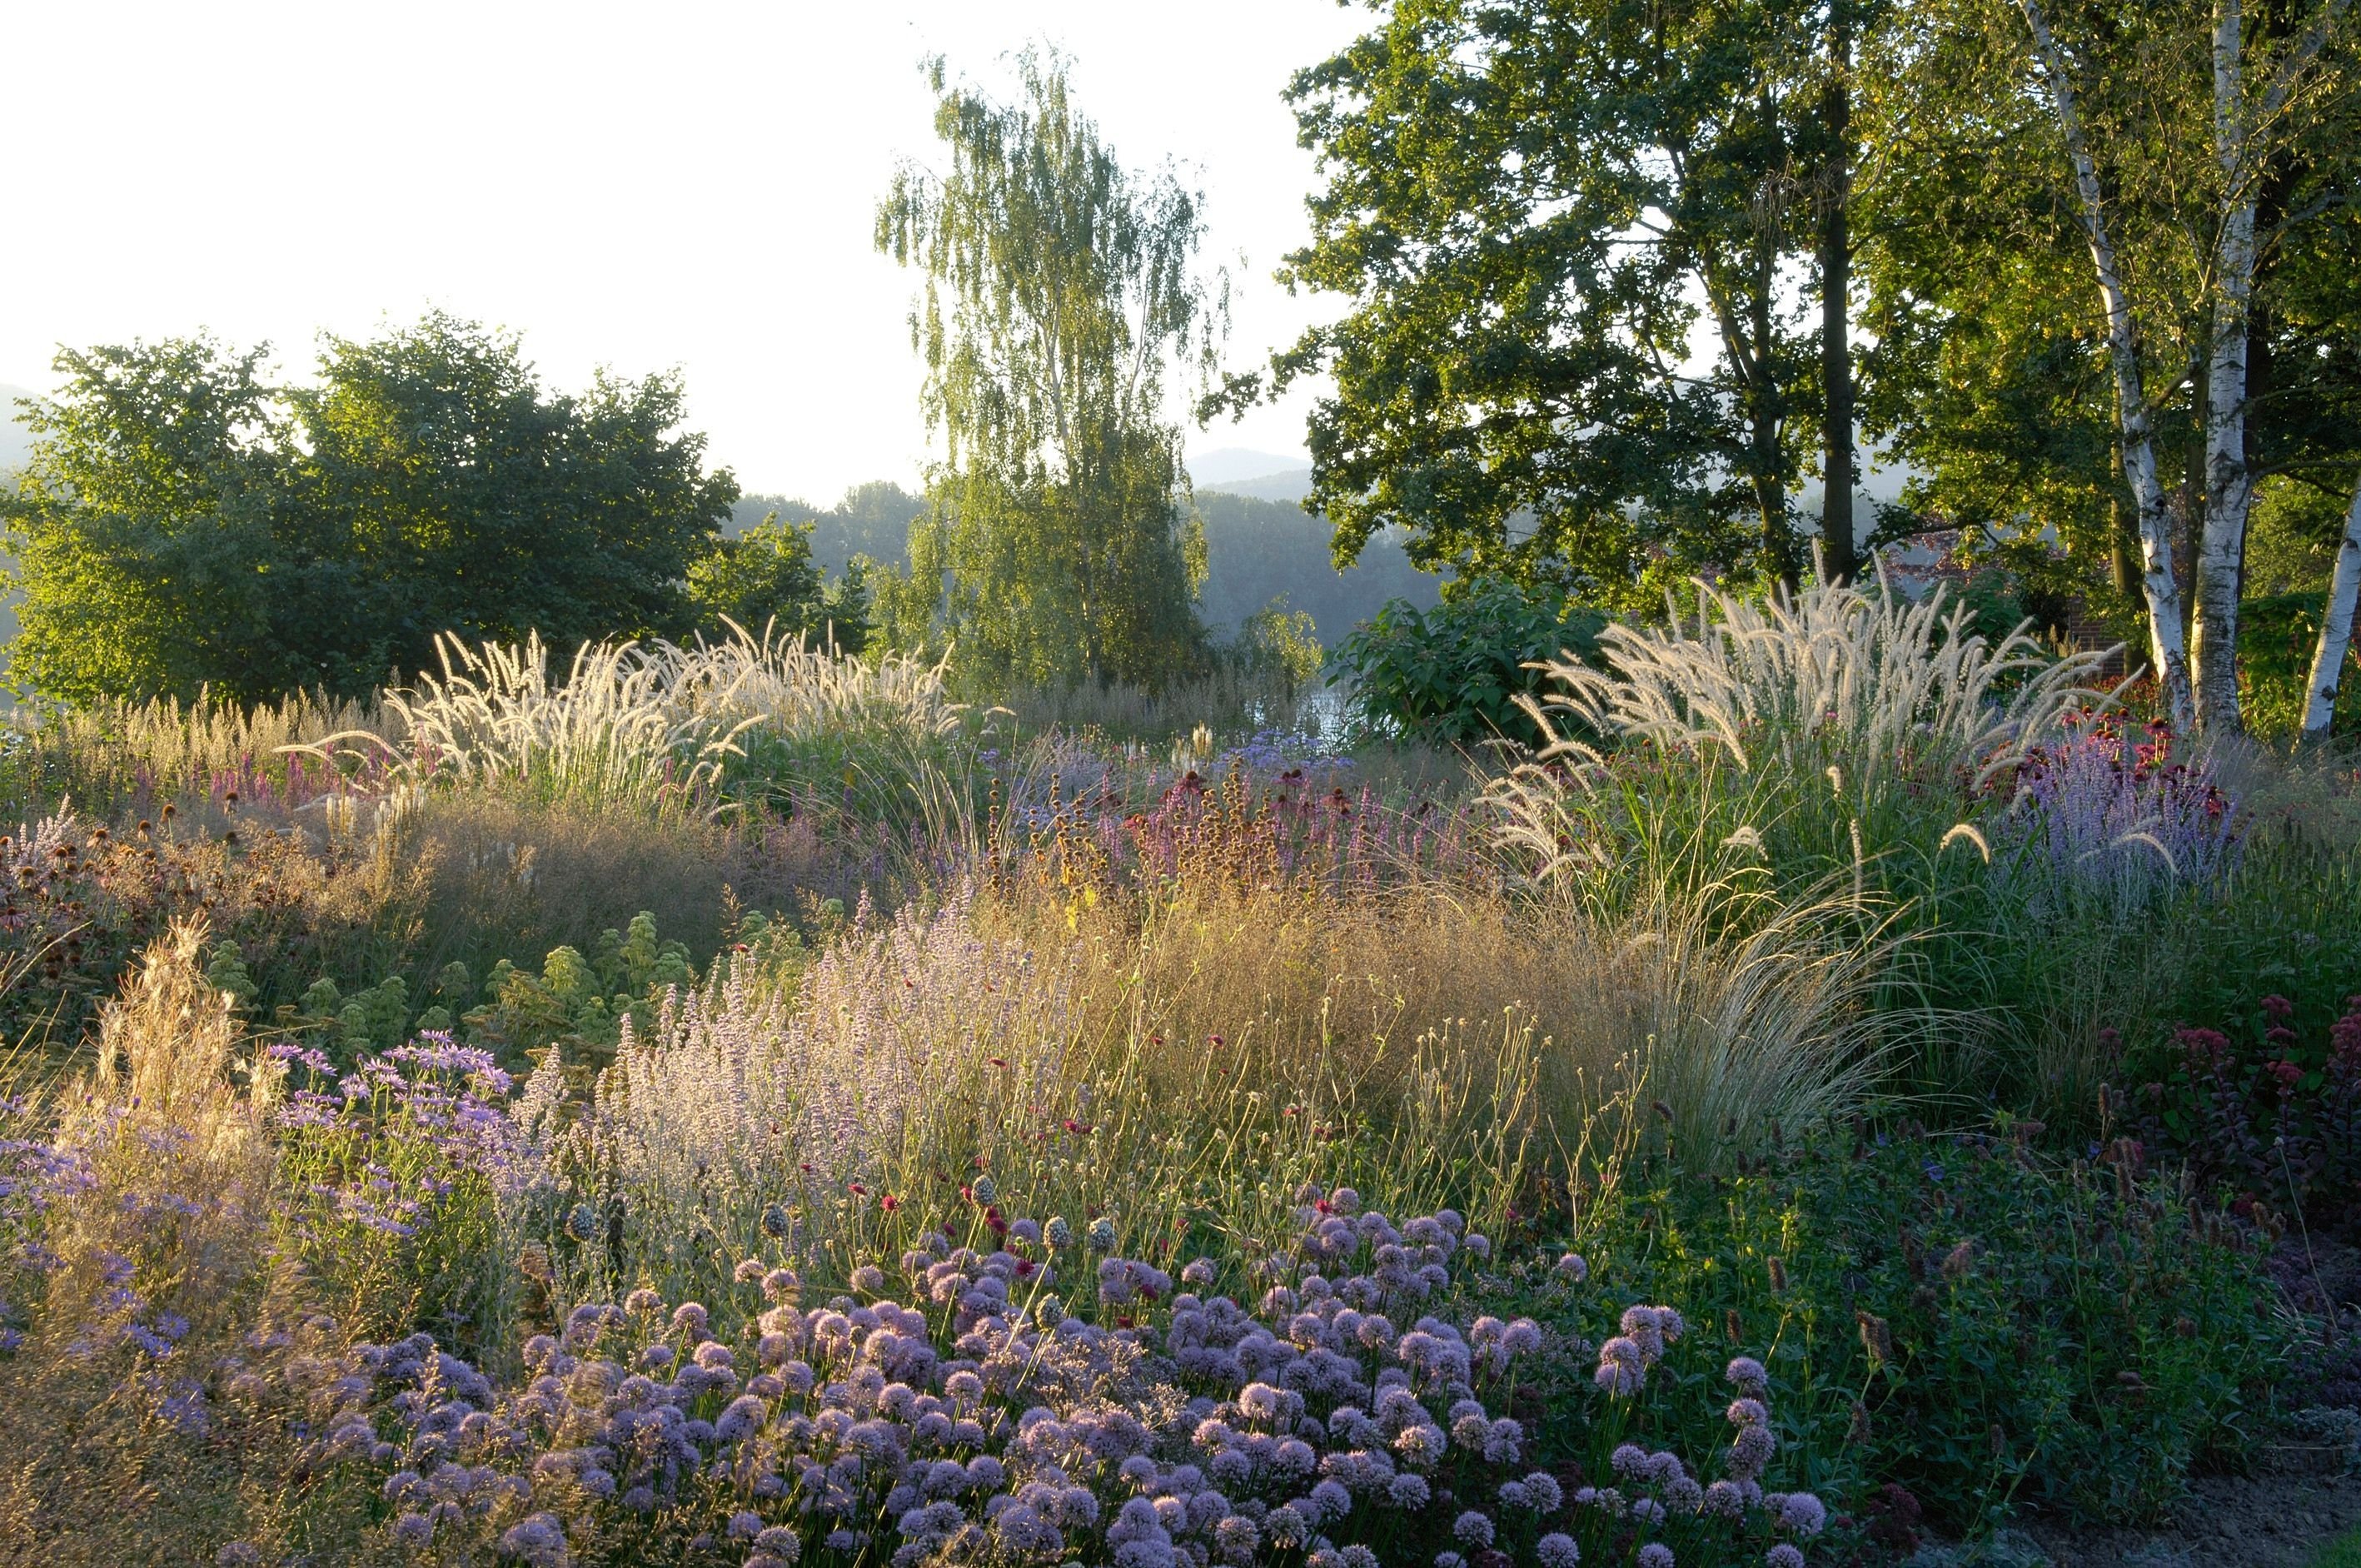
(1059, 293)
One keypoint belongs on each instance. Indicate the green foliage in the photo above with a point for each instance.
(1279, 642)
(1532, 208)
(872, 520)
(767, 577)
(1452, 674)
(183, 524)
(1968, 1319)
(1989, 370)
(2277, 638)
(1058, 288)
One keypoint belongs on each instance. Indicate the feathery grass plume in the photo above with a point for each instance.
(1887, 679)
(137, 1239)
(1736, 1027)
(113, 755)
(641, 725)
(1892, 704)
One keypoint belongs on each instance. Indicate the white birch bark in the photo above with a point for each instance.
(2229, 484)
(2167, 651)
(2336, 628)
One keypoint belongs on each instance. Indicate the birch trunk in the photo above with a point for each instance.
(2167, 651)
(2229, 486)
(2336, 628)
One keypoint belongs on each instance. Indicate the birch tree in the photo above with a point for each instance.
(2167, 651)
(2336, 628)
(2257, 99)
(1058, 295)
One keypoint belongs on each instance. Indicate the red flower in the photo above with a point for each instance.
(857, 1187)
(889, 1202)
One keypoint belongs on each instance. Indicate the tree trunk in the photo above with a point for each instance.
(2336, 628)
(1839, 559)
(2167, 649)
(2123, 544)
(2229, 484)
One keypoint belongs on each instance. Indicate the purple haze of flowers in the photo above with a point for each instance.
(2100, 814)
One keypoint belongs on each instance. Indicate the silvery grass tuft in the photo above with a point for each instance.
(641, 725)
(1866, 690)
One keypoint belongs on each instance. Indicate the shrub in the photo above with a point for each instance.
(1971, 1321)
(1454, 674)
(2269, 1108)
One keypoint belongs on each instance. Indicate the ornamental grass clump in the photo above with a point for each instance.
(1008, 1400)
(1818, 730)
(646, 726)
(913, 1045)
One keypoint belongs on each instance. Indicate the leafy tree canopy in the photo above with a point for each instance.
(767, 577)
(185, 523)
(1058, 293)
(1534, 208)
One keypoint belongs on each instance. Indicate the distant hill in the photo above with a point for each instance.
(1286, 485)
(1261, 475)
(1256, 550)
(1224, 465)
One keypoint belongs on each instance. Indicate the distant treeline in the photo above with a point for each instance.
(1256, 551)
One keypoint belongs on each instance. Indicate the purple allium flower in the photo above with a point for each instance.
(1748, 1412)
(1235, 1540)
(1750, 1453)
(869, 1280)
(1746, 1375)
(749, 1270)
(689, 1318)
(1409, 1492)
(1803, 1513)
(780, 1542)
(1557, 1550)
(1472, 1531)
(1656, 1554)
(746, 1525)
(539, 1539)
(1782, 1556)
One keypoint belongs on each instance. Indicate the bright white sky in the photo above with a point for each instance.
(648, 186)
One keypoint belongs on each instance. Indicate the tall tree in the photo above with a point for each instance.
(1832, 194)
(1569, 230)
(2084, 205)
(1059, 293)
(183, 522)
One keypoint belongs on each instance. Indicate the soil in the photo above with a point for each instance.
(2258, 1521)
